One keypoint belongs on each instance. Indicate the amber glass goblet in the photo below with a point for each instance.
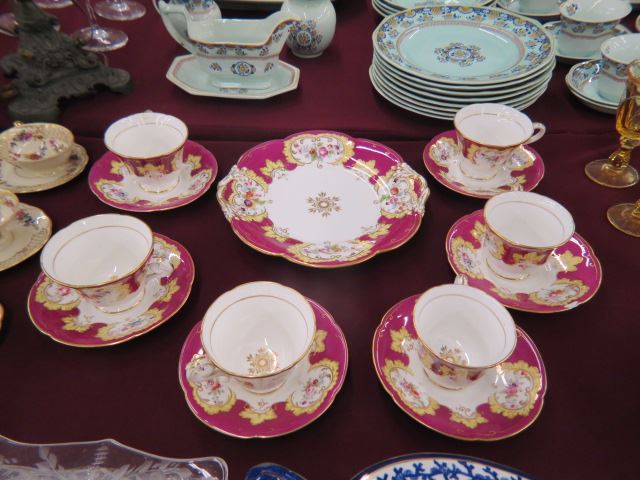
(626, 217)
(616, 171)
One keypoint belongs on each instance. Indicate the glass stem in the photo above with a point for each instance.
(619, 159)
(635, 213)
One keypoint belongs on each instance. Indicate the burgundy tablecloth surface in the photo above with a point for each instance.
(54, 393)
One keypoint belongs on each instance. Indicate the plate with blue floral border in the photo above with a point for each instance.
(432, 466)
(467, 45)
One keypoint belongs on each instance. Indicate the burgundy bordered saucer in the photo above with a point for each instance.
(323, 199)
(494, 407)
(441, 156)
(29, 233)
(573, 274)
(220, 402)
(63, 315)
(113, 183)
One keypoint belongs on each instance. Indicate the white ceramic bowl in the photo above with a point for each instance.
(257, 332)
(595, 11)
(464, 329)
(617, 53)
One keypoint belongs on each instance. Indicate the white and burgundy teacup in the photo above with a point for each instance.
(257, 333)
(8, 207)
(464, 333)
(488, 134)
(522, 230)
(151, 145)
(617, 53)
(36, 149)
(586, 23)
(103, 257)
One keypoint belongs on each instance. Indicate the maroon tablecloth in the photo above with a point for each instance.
(54, 393)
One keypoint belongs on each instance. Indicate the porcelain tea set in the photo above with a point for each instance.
(238, 58)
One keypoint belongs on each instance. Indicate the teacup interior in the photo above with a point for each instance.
(493, 125)
(529, 220)
(260, 335)
(146, 135)
(591, 11)
(464, 330)
(90, 252)
(623, 49)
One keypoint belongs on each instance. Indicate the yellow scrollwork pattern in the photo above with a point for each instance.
(388, 369)
(41, 297)
(397, 339)
(297, 410)
(534, 377)
(318, 342)
(469, 422)
(270, 166)
(256, 418)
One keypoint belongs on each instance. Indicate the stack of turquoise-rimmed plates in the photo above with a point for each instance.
(435, 60)
(389, 7)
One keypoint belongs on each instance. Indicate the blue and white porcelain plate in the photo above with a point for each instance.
(463, 45)
(582, 81)
(434, 466)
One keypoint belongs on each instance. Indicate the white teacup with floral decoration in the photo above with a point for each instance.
(151, 145)
(8, 208)
(586, 23)
(617, 53)
(523, 229)
(257, 333)
(36, 149)
(464, 333)
(488, 134)
(103, 257)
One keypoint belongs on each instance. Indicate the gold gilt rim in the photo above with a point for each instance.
(592, 255)
(336, 388)
(80, 152)
(137, 334)
(36, 250)
(543, 374)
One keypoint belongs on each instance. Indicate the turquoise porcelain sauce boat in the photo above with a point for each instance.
(235, 53)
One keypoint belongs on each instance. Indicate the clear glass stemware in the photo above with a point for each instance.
(96, 38)
(120, 9)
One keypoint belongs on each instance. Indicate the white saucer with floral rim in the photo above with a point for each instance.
(29, 232)
(18, 181)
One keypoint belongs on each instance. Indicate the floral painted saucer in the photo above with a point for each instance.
(62, 314)
(186, 74)
(582, 81)
(30, 231)
(223, 404)
(442, 466)
(496, 406)
(17, 181)
(323, 199)
(441, 156)
(114, 184)
(554, 29)
(571, 277)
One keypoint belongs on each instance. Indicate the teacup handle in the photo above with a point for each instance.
(538, 135)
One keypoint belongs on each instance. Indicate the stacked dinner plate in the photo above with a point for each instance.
(389, 7)
(434, 60)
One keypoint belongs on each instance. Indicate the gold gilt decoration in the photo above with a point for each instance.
(104, 185)
(247, 197)
(270, 166)
(263, 361)
(195, 161)
(116, 166)
(443, 150)
(381, 230)
(479, 231)
(562, 292)
(467, 417)
(324, 204)
(172, 287)
(318, 342)
(504, 294)
(328, 252)
(400, 376)
(519, 394)
(397, 339)
(531, 257)
(321, 378)
(56, 297)
(169, 250)
(213, 396)
(72, 324)
(270, 232)
(568, 261)
(367, 167)
(256, 417)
